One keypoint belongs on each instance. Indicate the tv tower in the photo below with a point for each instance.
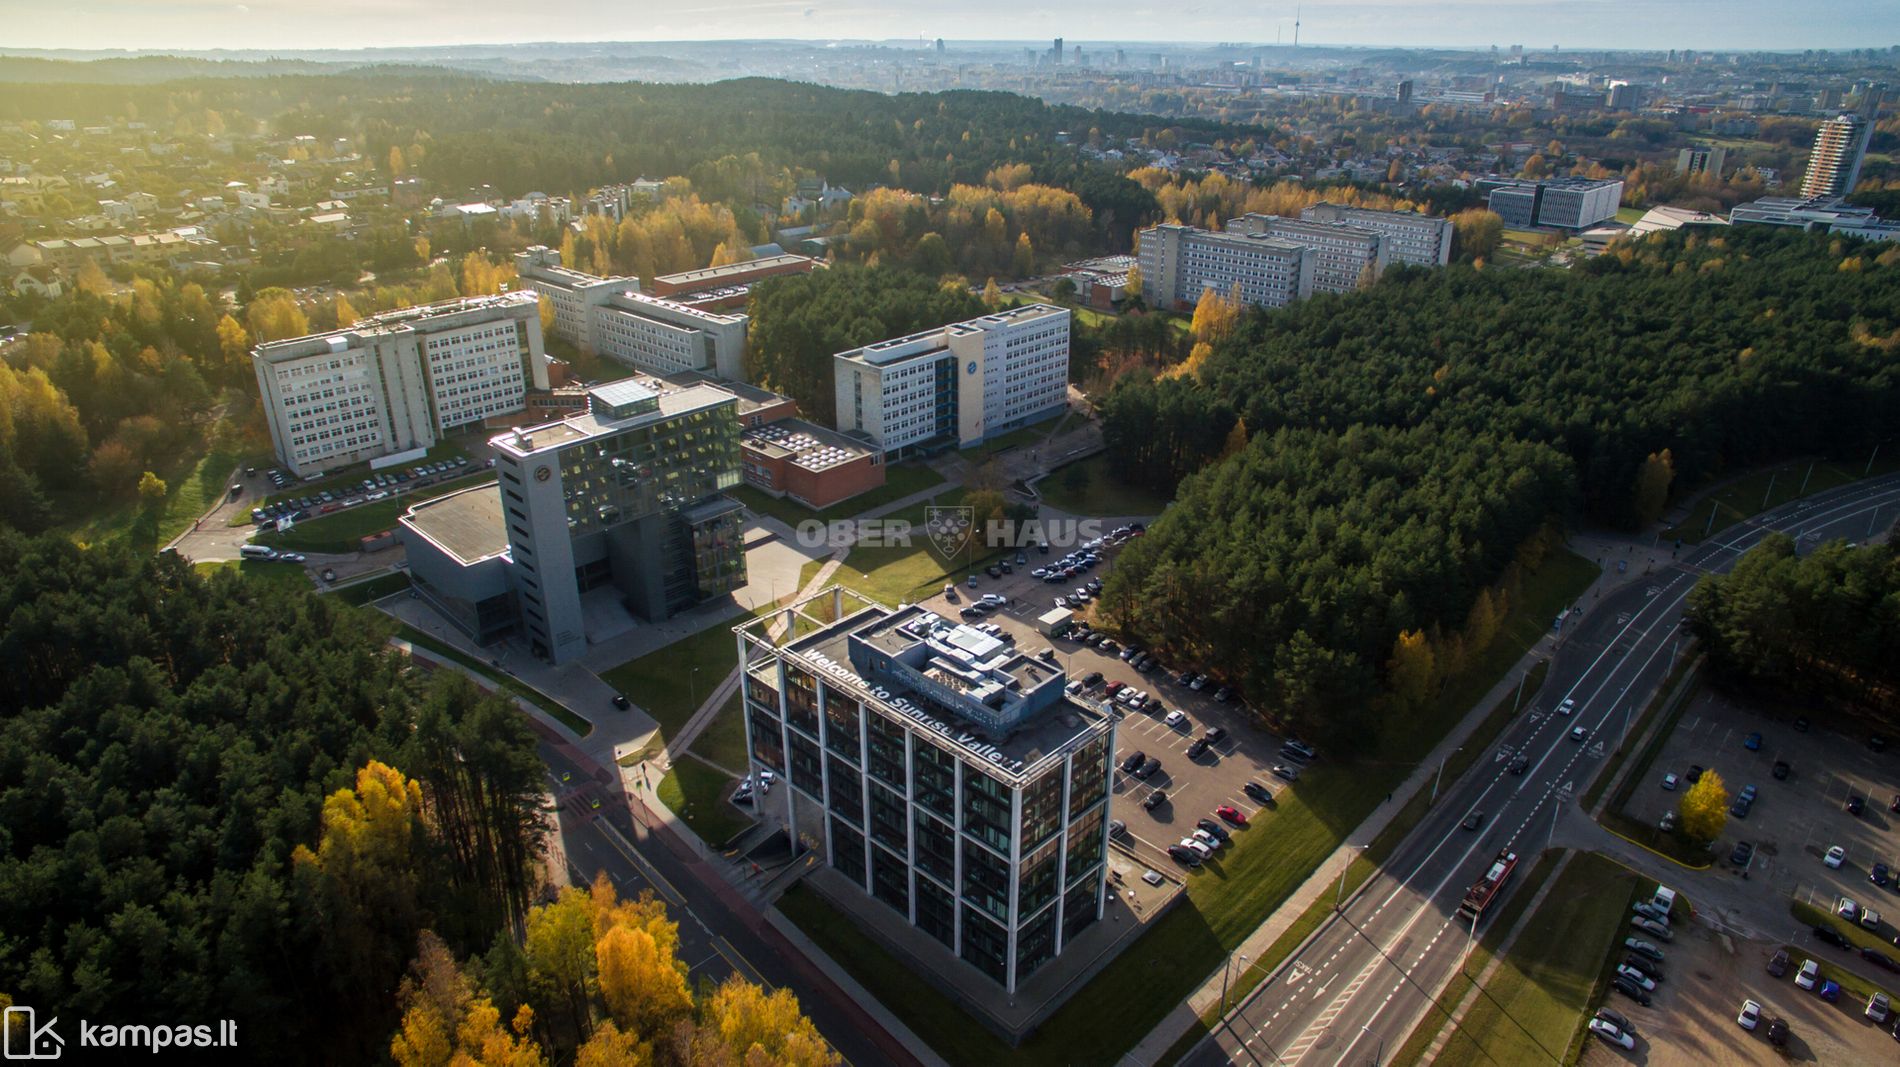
(1296, 25)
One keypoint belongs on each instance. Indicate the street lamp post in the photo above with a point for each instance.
(692, 684)
(1225, 975)
(1441, 774)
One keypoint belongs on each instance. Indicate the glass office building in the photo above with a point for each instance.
(941, 770)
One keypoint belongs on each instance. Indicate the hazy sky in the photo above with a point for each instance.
(288, 24)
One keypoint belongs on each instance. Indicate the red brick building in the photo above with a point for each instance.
(808, 463)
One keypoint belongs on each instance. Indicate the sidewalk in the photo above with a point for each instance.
(1325, 878)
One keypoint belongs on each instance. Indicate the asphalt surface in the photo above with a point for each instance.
(720, 932)
(1356, 989)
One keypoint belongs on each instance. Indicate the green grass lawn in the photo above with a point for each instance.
(1768, 488)
(900, 480)
(515, 686)
(894, 574)
(1227, 899)
(695, 791)
(288, 575)
(341, 531)
(722, 742)
(670, 682)
(1531, 1009)
(1022, 435)
(195, 481)
(1090, 487)
(1823, 915)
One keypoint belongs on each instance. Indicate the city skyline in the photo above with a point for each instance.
(354, 24)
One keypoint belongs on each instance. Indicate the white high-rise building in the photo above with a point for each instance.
(397, 381)
(573, 293)
(1840, 144)
(1179, 263)
(1410, 238)
(613, 318)
(1344, 255)
(958, 384)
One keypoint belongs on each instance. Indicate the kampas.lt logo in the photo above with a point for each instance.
(949, 528)
(25, 1039)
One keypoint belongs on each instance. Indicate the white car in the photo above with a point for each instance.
(1634, 975)
(1608, 1031)
(1669, 782)
(1568, 706)
(1836, 856)
(1809, 974)
(1198, 848)
(1870, 918)
(1213, 843)
(1847, 909)
(1177, 717)
(1750, 1015)
(1579, 734)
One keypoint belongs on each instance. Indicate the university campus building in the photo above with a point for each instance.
(942, 772)
(626, 498)
(956, 385)
(398, 381)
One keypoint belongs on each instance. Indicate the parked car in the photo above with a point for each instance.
(1879, 959)
(1231, 814)
(1870, 918)
(1215, 735)
(1611, 1033)
(1753, 741)
(1856, 804)
(1134, 760)
(1199, 746)
(1291, 774)
(1830, 991)
(1650, 911)
(1116, 827)
(1617, 1019)
(1808, 975)
(1176, 718)
(1299, 750)
(1877, 874)
(1750, 1014)
(1155, 800)
(1694, 775)
(1780, 770)
(1829, 935)
(1742, 853)
(1214, 830)
(621, 701)
(1147, 770)
(1669, 781)
(1652, 928)
(1201, 848)
(1777, 1031)
(1778, 963)
(1836, 855)
(1632, 990)
(1648, 967)
(1646, 948)
(1847, 909)
(1258, 792)
(1186, 857)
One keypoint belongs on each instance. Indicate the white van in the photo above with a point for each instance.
(257, 552)
(1665, 899)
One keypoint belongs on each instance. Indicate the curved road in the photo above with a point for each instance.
(1359, 986)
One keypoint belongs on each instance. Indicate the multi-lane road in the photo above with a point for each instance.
(1356, 989)
(720, 932)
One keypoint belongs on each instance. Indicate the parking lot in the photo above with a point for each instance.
(1690, 1021)
(1797, 818)
(1194, 787)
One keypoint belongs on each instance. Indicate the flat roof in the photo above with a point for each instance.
(715, 275)
(1049, 731)
(807, 444)
(467, 524)
(552, 435)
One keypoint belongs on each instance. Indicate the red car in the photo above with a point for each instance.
(1231, 814)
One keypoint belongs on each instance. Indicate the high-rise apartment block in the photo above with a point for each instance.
(958, 384)
(1564, 203)
(1834, 165)
(942, 772)
(398, 381)
(1344, 256)
(1179, 263)
(612, 318)
(625, 499)
(1409, 238)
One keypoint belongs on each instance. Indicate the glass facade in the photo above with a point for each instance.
(1042, 808)
(1088, 776)
(1035, 944)
(934, 779)
(719, 554)
(801, 701)
(885, 758)
(1085, 845)
(986, 881)
(986, 809)
(936, 847)
(985, 945)
(845, 792)
(890, 880)
(888, 825)
(665, 466)
(841, 724)
(1040, 872)
(936, 912)
(847, 851)
(806, 770)
(1078, 908)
